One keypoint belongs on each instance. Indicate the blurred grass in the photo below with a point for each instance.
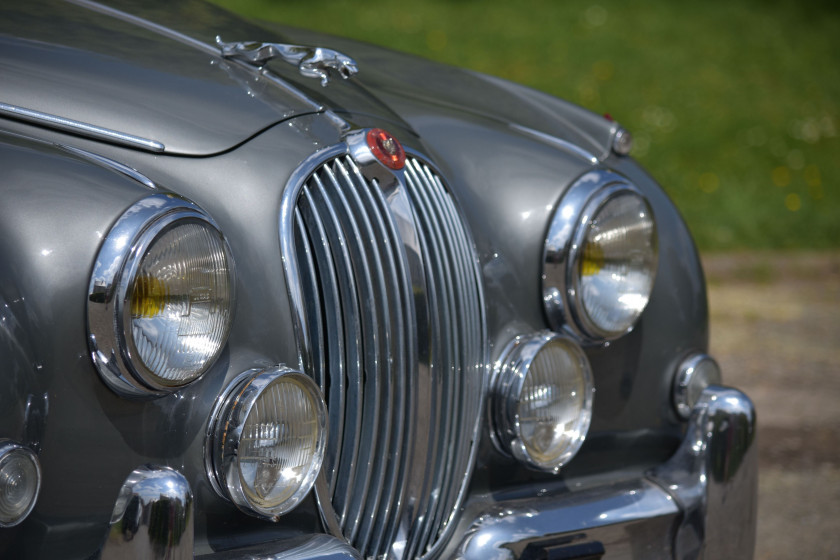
(734, 105)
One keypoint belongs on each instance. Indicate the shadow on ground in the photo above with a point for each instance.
(775, 321)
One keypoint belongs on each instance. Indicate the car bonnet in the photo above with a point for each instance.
(137, 79)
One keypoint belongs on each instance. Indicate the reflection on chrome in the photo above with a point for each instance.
(153, 517)
(705, 495)
(312, 62)
(714, 477)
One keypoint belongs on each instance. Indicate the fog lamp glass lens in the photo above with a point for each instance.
(280, 441)
(19, 485)
(552, 403)
(617, 265)
(180, 303)
(266, 441)
(542, 404)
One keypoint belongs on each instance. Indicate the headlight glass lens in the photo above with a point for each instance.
(20, 480)
(617, 264)
(180, 303)
(543, 400)
(266, 441)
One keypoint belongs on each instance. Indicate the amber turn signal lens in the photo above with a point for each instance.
(386, 148)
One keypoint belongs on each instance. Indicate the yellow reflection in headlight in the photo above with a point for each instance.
(148, 298)
(593, 259)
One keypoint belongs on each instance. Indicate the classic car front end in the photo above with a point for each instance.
(266, 294)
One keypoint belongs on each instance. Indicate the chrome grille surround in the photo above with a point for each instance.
(385, 287)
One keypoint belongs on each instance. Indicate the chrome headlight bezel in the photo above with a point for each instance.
(109, 315)
(225, 431)
(563, 250)
(511, 372)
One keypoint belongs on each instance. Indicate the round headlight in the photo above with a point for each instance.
(543, 400)
(20, 481)
(266, 441)
(600, 258)
(161, 298)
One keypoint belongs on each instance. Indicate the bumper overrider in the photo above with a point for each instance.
(701, 503)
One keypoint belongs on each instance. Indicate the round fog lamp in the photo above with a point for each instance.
(543, 400)
(20, 481)
(693, 375)
(266, 441)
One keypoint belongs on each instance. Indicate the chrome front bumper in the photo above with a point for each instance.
(701, 503)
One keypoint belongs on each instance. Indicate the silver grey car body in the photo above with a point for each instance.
(102, 107)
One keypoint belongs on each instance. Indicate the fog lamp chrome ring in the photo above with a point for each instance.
(20, 482)
(542, 400)
(266, 440)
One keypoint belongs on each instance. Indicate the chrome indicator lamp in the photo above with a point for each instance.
(20, 482)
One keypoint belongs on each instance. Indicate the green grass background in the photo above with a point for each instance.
(733, 105)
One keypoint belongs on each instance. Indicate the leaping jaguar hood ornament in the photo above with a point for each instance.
(312, 62)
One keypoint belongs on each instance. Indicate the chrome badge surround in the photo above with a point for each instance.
(119, 255)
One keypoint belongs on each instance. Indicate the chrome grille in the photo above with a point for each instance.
(384, 282)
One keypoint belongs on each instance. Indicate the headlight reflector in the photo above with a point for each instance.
(600, 258)
(161, 297)
(543, 400)
(20, 482)
(266, 441)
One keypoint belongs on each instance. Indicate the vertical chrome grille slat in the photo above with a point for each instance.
(443, 341)
(328, 315)
(368, 385)
(426, 194)
(395, 341)
(390, 312)
(350, 308)
(446, 210)
(308, 274)
(378, 378)
(387, 519)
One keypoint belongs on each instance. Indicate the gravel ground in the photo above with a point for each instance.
(776, 333)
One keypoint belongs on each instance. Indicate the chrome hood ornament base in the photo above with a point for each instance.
(312, 62)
